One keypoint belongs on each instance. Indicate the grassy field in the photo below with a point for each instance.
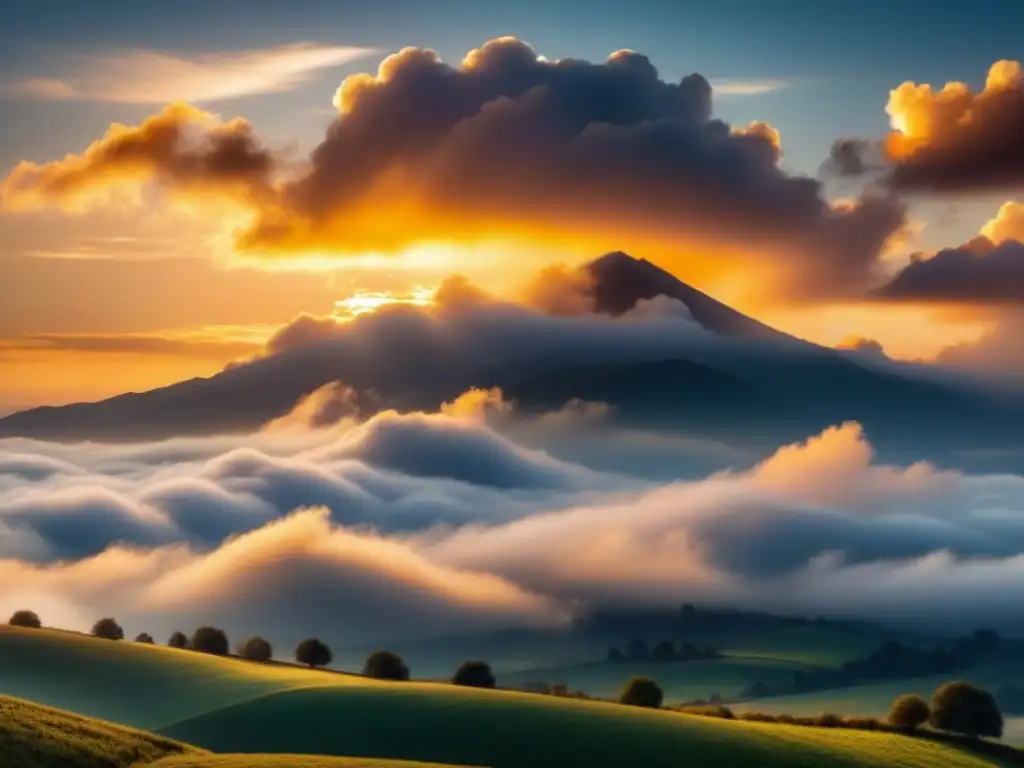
(33, 736)
(680, 681)
(230, 707)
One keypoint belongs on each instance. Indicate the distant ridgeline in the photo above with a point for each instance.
(892, 661)
(631, 622)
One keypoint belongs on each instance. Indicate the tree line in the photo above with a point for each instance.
(313, 652)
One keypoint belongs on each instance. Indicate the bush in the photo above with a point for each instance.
(108, 629)
(210, 640)
(964, 708)
(385, 665)
(909, 713)
(641, 692)
(144, 637)
(759, 717)
(829, 720)
(863, 723)
(28, 619)
(314, 653)
(178, 640)
(476, 674)
(257, 649)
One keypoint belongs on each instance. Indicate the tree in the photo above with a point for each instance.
(663, 651)
(28, 619)
(314, 653)
(210, 640)
(615, 655)
(909, 713)
(964, 708)
(475, 674)
(688, 614)
(641, 692)
(636, 649)
(385, 665)
(257, 649)
(178, 640)
(144, 637)
(108, 629)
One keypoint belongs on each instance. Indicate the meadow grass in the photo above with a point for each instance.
(34, 736)
(284, 761)
(231, 706)
(680, 681)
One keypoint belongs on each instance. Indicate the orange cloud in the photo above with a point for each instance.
(958, 139)
(507, 146)
(182, 148)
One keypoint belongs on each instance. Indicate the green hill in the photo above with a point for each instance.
(33, 736)
(680, 681)
(283, 761)
(231, 706)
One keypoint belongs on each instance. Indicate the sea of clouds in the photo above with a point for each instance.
(415, 525)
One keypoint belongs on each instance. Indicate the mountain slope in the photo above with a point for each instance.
(726, 372)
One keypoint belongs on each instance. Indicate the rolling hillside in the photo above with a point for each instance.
(231, 706)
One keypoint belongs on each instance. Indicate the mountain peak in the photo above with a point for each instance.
(621, 280)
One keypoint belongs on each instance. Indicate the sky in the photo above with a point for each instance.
(128, 271)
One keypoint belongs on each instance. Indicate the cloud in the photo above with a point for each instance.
(383, 546)
(987, 270)
(183, 148)
(747, 87)
(867, 347)
(132, 343)
(950, 140)
(853, 157)
(141, 76)
(483, 150)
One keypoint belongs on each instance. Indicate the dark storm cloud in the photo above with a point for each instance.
(979, 272)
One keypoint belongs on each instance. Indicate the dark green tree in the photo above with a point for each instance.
(257, 649)
(475, 674)
(178, 640)
(960, 707)
(641, 692)
(28, 619)
(909, 713)
(385, 665)
(144, 637)
(108, 629)
(314, 653)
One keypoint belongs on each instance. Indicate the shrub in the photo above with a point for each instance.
(829, 720)
(964, 708)
(863, 723)
(385, 665)
(257, 649)
(475, 674)
(28, 619)
(788, 720)
(759, 717)
(909, 713)
(560, 689)
(641, 692)
(314, 653)
(108, 629)
(210, 640)
(144, 637)
(178, 640)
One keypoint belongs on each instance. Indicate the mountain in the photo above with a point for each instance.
(726, 374)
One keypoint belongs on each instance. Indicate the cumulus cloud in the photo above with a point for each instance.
(513, 146)
(952, 139)
(142, 76)
(987, 270)
(422, 525)
(183, 148)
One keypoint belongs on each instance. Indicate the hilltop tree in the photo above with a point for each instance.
(257, 649)
(210, 640)
(641, 692)
(28, 619)
(637, 649)
(178, 640)
(314, 653)
(964, 708)
(475, 674)
(108, 629)
(615, 655)
(909, 713)
(385, 665)
(144, 637)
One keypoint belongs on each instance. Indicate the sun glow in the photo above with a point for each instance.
(364, 302)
